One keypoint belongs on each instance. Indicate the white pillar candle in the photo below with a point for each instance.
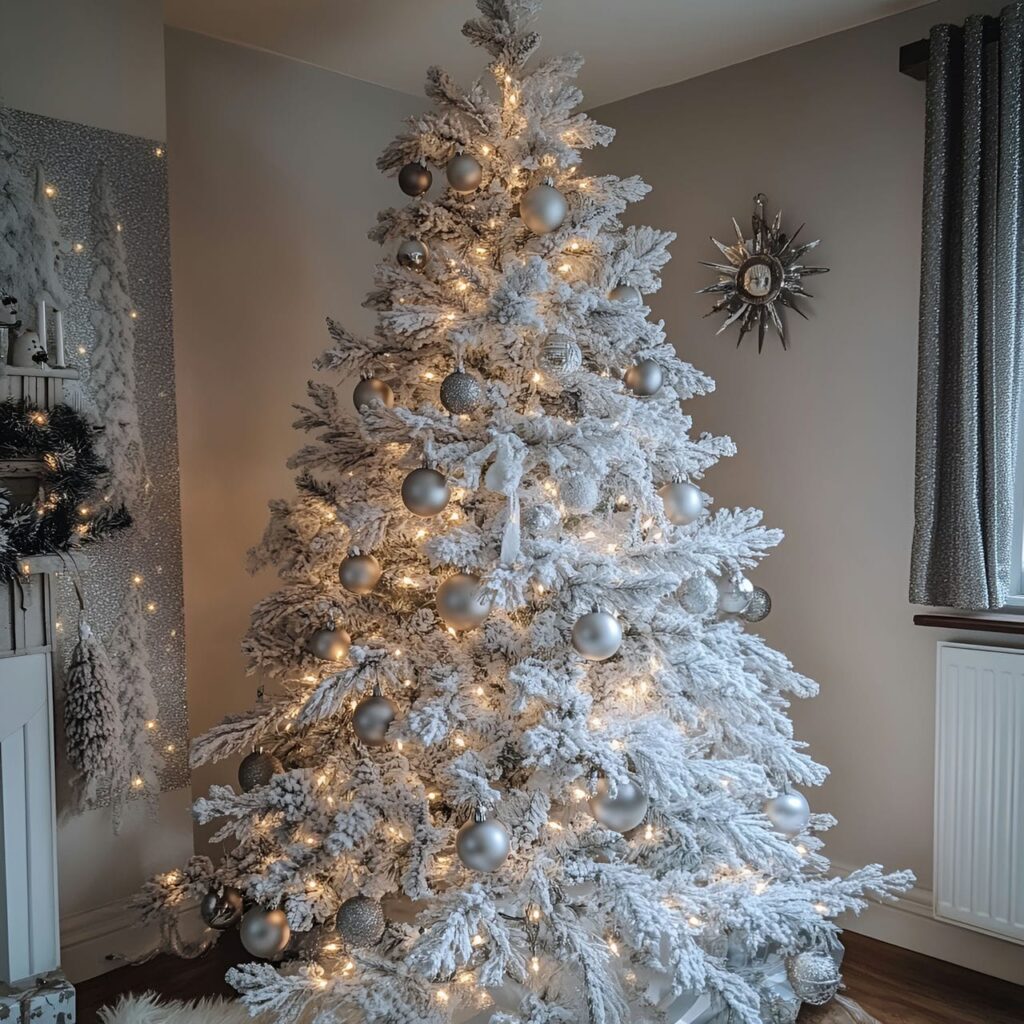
(58, 335)
(41, 324)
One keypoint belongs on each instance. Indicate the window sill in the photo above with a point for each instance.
(980, 622)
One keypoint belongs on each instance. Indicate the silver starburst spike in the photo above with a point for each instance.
(763, 272)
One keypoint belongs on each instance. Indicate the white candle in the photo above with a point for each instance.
(41, 324)
(59, 336)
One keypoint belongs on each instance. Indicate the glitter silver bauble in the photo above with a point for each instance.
(461, 393)
(789, 812)
(559, 355)
(413, 255)
(543, 208)
(734, 592)
(644, 378)
(359, 574)
(482, 845)
(579, 492)
(814, 976)
(264, 933)
(360, 921)
(372, 717)
(627, 294)
(460, 602)
(425, 492)
(329, 644)
(597, 635)
(221, 907)
(540, 519)
(414, 179)
(779, 1009)
(699, 595)
(683, 502)
(257, 769)
(371, 390)
(623, 811)
(464, 173)
(758, 607)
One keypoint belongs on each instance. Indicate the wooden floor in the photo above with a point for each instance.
(897, 986)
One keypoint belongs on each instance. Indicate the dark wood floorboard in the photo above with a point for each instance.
(895, 985)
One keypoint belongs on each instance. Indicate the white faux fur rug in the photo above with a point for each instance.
(148, 1009)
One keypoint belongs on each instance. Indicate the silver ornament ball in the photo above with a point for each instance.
(257, 769)
(789, 812)
(622, 811)
(579, 492)
(413, 255)
(264, 933)
(414, 179)
(359, 574)
(425, 492)
(461, 393)
(372, 717)
(627, 294)
(371, 390)
(758, 607)
(464, 173)
(644, 378)
(360, 922)
(683, 502)
(482, 845)
(460, 602)
(734, 593)
(699, 595)
(221, 907)
(543, 208)
(597, 635)
(329, 644)
(559, 355)
(814, 976)
(540, 519)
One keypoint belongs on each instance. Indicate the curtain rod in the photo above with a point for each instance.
(914, 56)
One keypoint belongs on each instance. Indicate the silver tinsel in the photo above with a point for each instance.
(461, 393)
(560, 355)
(360, 921)
(814, 976)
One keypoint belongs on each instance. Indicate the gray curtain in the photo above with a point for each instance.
(972, 317)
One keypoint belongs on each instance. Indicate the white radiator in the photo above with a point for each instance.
(979, 789)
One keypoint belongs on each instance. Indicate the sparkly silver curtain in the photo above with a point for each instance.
(971, 318)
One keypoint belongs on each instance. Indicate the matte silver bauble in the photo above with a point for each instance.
(758, 607)
(623, 811)
(460, 602)
(644, 378)
(425, 492)
(371, 390)
(789, 812)
(329, 644)
(257, 769)
(559, 355)
(359, 574)
(579, 492)
(482, 845)
(734, 593)
(814, 976)
(221, 907)
(264, 933)
(360, 922)
(461, 393)
(627, 294)
(413, 255)
(597, 635)
(541, 519)
(464, 173)
(683, 502)
(543, 208)
(414, 179)
(699, 595)
(372, 717)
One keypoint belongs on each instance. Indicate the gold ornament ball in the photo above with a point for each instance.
(359, 574)
(329, 644)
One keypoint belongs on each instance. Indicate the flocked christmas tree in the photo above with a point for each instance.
(521, 767)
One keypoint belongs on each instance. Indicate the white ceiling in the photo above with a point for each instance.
(630, 45)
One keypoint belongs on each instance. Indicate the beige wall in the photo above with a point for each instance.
(834, 136)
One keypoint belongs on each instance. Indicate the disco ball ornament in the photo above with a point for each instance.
(359, 574)
(543, 208)
(626, 294)
(541, 519)
(329, 644)
(413, 255)
(372, 717)
(482, 845)
(699, 595)
(644, 378)
(461, 393)
(623, 811)
(579, 492)
(414, 179)
(257, 769)
(464, 173)
(789, 812)
(360, 922)
(734, 593)
(597, 635)
(683, 502)
(264, 933)
(758, 607)
(460, 602)
(371, 390)
(814, 976)
(425, 492)
(559, 356)
(221, 907)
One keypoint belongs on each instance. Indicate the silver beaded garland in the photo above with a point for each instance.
(758, 607)
(413, 255)
(627, 294)
(683, 502)
(372, 717)
(329, 644)
(360, 921)
(358, 573)
(414, 179)
(221, 907)
(543, 208)
(789, 812)
(644, 378)
(699, 595)
(597, 635)
(425, 492)
(264, 933)
(482, 845)
(257, 769)
(371, 390)
(814, 976)
(464, 173)
(461, 393)
(622, 810)
(734, 593)
(460, 602)
(560, 355)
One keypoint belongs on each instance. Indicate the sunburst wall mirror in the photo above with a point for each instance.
(764, 272)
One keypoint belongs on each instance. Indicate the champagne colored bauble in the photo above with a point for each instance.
(221, 907)
(627, 294)
(541, 519)
(789, 812)
(579, 492)
(814, 976)
(371, 390)
(482, 845)
(699, 595)
(543, 208)
(461, 393)
(597, 635)
(257, 769)
(425, 492)
(559, 355)
(414, 179)
(329, 644)
(623, 811)
(359, 574)
(264, 933)
(460, 602)
(372, 717)
(413, 255)
(683, 502)
(734, 593)
(758, 607)
(360, 922)
(644, 378)
(464, 173)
